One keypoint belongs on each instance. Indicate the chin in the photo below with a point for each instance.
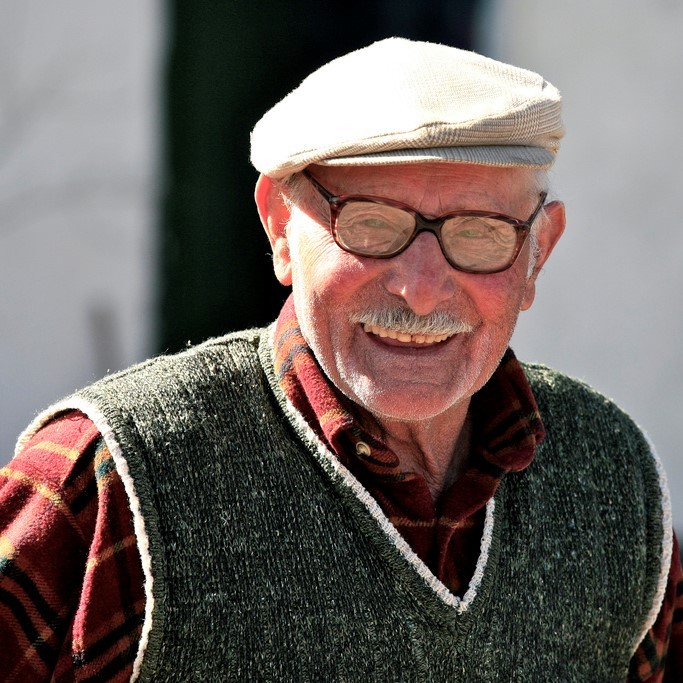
(400, 414)
(408, 405)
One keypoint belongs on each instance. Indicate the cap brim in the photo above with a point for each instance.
(489, 155)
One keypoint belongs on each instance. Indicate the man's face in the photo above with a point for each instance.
(407, 378)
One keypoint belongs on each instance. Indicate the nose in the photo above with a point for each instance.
(421, 276)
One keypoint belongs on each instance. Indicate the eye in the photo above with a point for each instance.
(372, 228)
(470, 233)
(371, 222)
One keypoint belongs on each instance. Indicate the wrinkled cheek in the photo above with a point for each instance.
(312, 247)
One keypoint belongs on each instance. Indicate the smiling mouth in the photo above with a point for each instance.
(405, 336)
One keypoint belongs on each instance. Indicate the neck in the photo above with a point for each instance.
(437, 449)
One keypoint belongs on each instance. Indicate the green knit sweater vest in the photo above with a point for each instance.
(267, 561)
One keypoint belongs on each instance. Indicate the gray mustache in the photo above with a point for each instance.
(404, 320)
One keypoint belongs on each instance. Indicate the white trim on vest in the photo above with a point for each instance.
(667, 544)
(459, 604)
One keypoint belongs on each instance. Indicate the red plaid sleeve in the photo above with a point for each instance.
(659, 657)
(71, 581)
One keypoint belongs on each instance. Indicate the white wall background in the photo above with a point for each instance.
(78, 156)
(79, 115)
(610, 302)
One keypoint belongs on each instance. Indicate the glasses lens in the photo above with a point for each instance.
(373, 229)
(479, 244)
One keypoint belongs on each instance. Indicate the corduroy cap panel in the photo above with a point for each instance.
(400, 101)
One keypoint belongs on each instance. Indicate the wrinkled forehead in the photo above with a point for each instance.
(435, 187)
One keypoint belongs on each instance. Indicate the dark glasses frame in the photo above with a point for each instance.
(423, 224)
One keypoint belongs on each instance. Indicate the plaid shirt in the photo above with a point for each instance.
(71, 582)
(79, 618)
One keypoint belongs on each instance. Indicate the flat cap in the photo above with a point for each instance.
(400, 101)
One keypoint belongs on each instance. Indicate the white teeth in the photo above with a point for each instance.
(404, 336)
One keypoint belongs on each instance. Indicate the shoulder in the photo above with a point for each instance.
(228, 353)
(569, 403)
(168, 380)
(587, 431)
(558, 385)
(198, 372)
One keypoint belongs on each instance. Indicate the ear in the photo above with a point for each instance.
(274, 217)
(548, 236)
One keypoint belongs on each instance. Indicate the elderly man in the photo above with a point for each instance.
(373, 488)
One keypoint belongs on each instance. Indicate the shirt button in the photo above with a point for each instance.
(362, 448)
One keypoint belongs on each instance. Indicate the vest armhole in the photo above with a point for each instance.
(666, 544)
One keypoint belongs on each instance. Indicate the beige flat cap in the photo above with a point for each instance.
(398, 101)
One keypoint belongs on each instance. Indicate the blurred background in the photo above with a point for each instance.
(127, 225)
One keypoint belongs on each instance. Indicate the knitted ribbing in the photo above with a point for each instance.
(268, 561)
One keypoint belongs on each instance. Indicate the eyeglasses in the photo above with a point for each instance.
(471, 241)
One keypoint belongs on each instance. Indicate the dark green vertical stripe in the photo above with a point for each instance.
(227, 63)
